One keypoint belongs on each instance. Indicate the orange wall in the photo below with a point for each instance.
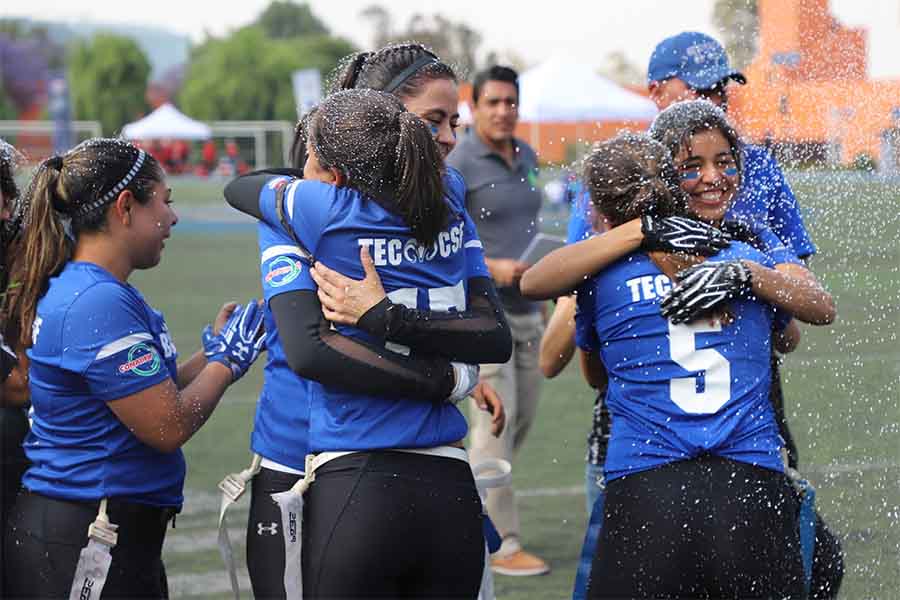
(827, 96)
(550, 140)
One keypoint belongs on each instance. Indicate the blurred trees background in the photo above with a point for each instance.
(107, 81)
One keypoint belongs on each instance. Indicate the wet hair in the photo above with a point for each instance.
(399, 69)
(385, 152)
(494, 73)
(67, 196)
(632, 175)
(301, 135)
(676, 125)
(9, 158)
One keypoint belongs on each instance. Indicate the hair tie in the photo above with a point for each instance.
(55, 162)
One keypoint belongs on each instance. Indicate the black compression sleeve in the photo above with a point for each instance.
(315, 351)
(242, 193)
(479, 334)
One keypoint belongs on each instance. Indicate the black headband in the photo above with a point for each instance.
(425, 59)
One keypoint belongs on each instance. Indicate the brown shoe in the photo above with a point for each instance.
(520, 563)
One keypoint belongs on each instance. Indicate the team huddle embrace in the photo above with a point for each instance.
(393, 292)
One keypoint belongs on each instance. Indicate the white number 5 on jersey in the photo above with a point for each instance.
(717, 389)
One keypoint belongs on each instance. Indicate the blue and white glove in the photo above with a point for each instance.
(466, 378)
(240, 341)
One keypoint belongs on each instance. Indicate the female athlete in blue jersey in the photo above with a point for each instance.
(428, 88)
(696, 501)
(111, 408)
(373, 181)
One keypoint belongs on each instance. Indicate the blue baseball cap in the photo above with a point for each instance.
(693, 57)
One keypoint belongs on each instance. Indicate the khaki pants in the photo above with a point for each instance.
(518, 382)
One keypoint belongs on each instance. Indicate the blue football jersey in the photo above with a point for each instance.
(679, 391)
(765, 198)
(96, 340)
(281, 425)
(332, 223)
(580, 214)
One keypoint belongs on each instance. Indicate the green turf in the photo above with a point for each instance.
(842, 389)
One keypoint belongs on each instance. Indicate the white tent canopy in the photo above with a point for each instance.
(167, 122)
(566, 90)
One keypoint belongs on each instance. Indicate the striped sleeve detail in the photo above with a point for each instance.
(121, 344)
(281, 249)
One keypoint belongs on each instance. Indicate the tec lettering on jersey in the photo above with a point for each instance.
(282, 271)
(648, 287)
(143, 361)
(395, 251)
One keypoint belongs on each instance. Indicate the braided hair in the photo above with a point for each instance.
(400, 69)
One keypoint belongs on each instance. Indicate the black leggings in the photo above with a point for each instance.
(701, 528)
(392, 525)
(265, 539)
(46, 536)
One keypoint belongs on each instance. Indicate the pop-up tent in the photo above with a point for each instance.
(167, 122)
(563, 90)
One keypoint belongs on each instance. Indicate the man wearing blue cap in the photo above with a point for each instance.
(693, 65)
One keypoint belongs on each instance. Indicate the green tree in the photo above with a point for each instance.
(738, 24)
(7, 108)
(284, 19)
(108, 78)
(247, 75)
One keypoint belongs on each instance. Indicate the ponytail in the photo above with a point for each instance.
(38, 254)
(420, 185)
(68, 195)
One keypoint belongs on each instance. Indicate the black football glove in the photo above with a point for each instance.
(703, 287)
(680, 234)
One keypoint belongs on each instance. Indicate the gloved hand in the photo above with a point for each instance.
(239, 343)
(705, 286)
(680, 234)
(466, 378)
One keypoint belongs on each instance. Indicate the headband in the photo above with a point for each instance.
(111, 194)
(425, 59)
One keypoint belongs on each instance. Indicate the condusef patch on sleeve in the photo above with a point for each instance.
(282, 271)
(143, 360)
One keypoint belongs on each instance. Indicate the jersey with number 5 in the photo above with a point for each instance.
(679, 391)
(333, 223)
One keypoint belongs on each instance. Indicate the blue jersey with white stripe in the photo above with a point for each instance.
(96, 340)
(679, 391)
(282, 415)
(332, 223)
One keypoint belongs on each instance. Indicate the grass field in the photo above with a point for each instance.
(842, 389)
